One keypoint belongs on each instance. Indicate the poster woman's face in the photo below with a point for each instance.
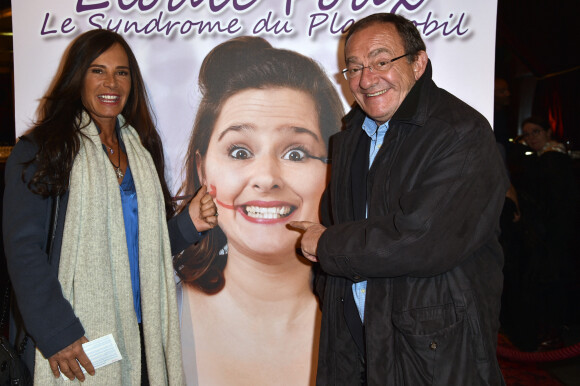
(259, 165)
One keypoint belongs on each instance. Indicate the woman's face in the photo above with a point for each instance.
(107, 86)
(535, 136)
(260, 166)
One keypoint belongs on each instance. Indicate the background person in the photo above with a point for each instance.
(105, 268)
(540, 301)
(413, 263)
(260, 144)
(537, 135)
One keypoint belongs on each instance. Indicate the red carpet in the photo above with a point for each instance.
(523, 374)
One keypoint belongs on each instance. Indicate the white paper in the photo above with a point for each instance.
(102, 351)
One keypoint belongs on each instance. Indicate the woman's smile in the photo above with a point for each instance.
(109, 98)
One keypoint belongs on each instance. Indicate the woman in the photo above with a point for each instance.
(537, 135)
(93, 166)
(260, 145)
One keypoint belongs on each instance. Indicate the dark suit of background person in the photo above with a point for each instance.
(420, 226)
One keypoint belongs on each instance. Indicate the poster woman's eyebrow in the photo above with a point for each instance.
(240, 127)
(300, 130)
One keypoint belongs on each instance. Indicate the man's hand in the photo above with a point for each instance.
(310, 237)
(66, 359)
(203, 210)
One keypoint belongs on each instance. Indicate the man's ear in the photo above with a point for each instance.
(420, 64)
(200, 168)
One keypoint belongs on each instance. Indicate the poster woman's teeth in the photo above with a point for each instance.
(267, 213)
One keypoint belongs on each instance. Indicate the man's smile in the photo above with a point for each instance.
(376, 93)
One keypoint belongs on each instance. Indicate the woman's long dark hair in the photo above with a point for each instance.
(236, 65)
(56, 131)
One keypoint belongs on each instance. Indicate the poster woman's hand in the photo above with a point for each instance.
(203, 210)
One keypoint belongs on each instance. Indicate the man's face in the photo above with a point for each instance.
(380, 94)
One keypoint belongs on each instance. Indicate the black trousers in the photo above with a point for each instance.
(144, 376)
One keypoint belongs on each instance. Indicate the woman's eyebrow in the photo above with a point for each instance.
(105, 67)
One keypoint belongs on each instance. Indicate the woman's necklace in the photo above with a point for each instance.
(109, 149)
(117, 168)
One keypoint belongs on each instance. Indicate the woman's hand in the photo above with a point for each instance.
(203, 210)
(68, 360)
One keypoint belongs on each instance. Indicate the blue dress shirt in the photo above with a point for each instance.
(377, 135)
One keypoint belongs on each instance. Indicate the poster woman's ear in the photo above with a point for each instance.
(200, 168)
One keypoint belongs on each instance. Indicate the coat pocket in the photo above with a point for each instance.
(435, 346)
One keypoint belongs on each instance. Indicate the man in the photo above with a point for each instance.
(412, 265)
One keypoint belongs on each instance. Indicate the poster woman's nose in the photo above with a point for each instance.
(266, 174)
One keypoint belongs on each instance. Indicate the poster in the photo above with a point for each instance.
(238, 330)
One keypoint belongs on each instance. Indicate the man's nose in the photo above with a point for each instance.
(367, 77)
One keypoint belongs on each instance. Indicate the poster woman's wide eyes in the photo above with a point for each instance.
(296, 155)
(238, 152)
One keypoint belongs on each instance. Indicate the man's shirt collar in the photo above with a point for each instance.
(372, 129)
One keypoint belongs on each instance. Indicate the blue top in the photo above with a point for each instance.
(377, 135)
(131, 220)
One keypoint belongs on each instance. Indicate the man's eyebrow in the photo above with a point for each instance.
(372, 54)
(378, 51)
